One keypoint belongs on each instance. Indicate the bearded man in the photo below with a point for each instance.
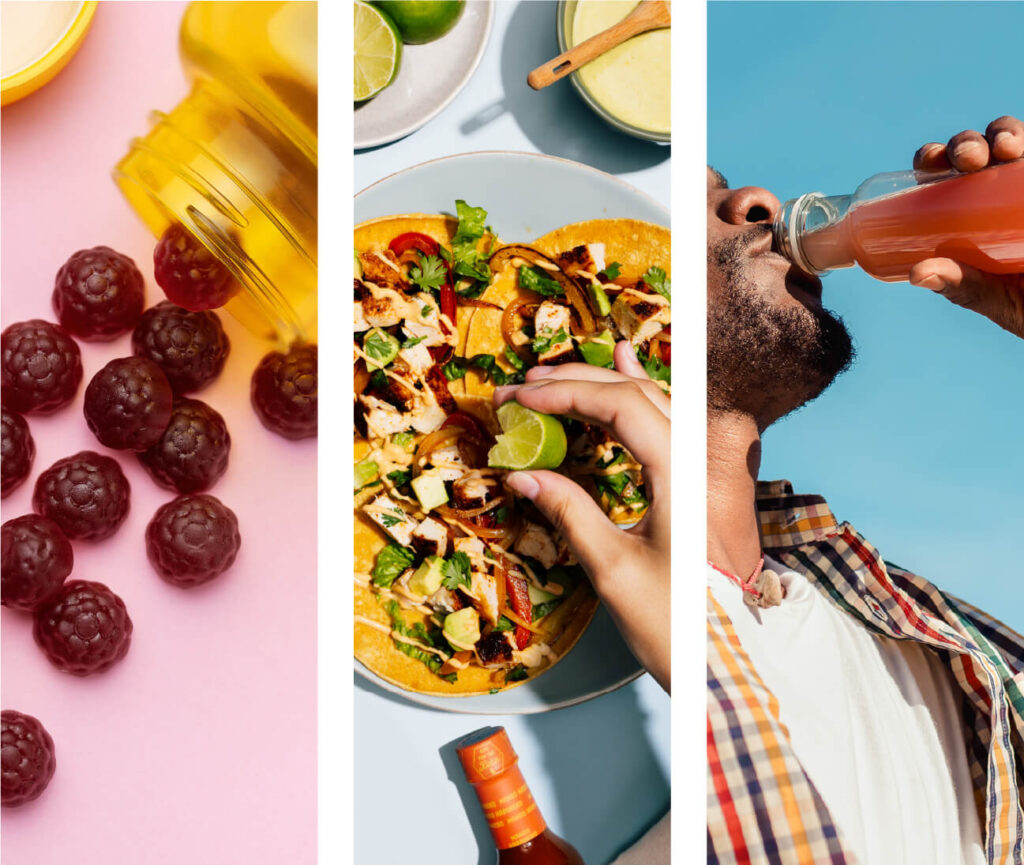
(856, 712)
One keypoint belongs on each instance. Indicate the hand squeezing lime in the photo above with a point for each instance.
(529, 440)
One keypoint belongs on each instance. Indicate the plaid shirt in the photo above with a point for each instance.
(762, 806)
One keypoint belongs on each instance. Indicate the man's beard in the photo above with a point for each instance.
(765, 360)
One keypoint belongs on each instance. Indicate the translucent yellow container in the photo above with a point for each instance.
(235, 163)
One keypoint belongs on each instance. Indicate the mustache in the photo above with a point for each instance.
(728, 253)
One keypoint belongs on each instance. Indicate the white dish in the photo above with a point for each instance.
(429, 78)
(525, 195)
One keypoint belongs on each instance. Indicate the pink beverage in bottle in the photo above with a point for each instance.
(895, 220)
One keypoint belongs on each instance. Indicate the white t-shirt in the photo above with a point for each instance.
(875, 723)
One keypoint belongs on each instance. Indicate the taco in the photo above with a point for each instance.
(461, 588)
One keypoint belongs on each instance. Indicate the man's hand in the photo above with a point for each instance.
(629, 569)
(998, 297)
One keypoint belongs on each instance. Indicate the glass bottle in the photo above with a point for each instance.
(897, 219)
(520, 833)
(235, 163)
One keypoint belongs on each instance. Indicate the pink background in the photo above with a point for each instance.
(200, 746)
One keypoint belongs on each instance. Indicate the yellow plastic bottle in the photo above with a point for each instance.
(235, 162)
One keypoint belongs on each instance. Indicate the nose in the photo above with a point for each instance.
(748, 205)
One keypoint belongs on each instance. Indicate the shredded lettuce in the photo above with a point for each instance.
(391, 561)
(533, 279)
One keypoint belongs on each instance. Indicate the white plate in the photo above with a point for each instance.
(525, 195)
(429, 77)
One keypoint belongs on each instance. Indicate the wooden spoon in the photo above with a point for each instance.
(649, 15)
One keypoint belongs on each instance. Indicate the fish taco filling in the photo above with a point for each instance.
(461, 586)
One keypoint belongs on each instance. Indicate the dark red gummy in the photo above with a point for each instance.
(19, 450)
(41, 366)
(85, 629)
(98, 294)
(192, 539)
(193, 452)
(27, 758)
(190, 347)
(189, 273)
(37, 558)
(128, 404)
(284, 392)
(87, 495)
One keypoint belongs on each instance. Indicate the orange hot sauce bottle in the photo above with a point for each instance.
(519, 830)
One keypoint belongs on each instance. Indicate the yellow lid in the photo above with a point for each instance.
(53, 29)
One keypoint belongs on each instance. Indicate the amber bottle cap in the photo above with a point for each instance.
(485, 754)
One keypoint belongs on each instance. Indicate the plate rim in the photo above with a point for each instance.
(410, 128)
(452, 702)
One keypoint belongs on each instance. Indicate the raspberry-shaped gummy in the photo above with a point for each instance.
(190, 347)
(190, 275)
(192, 539)
(19, 449)
(128, 403)
(193, 452)
(87, 495)
(284, 391)
(84, 629)
(98, 293)
(37, 558)
(41, 366)
(27, 758)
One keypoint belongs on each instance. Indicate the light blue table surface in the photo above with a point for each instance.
(600, 770)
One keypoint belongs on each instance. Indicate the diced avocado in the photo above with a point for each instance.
(602, 305)
(428, 576)
(359, 264)
(380, 347)
(539, 596)
(365, 472)
(404, 440)
(462, 628)
(430, 491)
(599, 350)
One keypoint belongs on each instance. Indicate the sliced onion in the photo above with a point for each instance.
(437, 439)
(573, 293)
(472, 301)
(525, 305)
(470, 513)
(480, 531)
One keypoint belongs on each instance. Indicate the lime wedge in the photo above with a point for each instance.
(530, 440)
(378, 51)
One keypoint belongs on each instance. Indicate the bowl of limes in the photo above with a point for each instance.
(412, 57)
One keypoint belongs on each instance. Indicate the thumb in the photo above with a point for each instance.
(571, 510)
(626, 361)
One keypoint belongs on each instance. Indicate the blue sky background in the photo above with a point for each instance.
(920, 444)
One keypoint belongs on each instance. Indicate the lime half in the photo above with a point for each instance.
(530, 440)
(378, 51)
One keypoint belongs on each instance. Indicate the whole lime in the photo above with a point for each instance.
(422, 20)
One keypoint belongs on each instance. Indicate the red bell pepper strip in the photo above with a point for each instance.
(448, 303)
(519, 602)
(413, 240)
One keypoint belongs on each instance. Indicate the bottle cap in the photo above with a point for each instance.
(485, 754)
(53, 54)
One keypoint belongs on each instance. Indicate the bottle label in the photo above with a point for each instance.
(510, 809)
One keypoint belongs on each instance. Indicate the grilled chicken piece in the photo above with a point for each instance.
(426, 325)
(392, 518)
(472, 547)
(485, 596)
(588, 258)
(473, 492)
(448, 463)
(639, 315)
(380, 311)
(553, 320)
(382, 419)
(438, 384)
(444, 599)
(361, 323)
(431, 538)
(416, 358)
(383, 269)
(536, 543)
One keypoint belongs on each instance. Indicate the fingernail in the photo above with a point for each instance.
(965, 149)
(504, 390)
(933, 281)
(1004, 138)
(523, 483)
(541, 371)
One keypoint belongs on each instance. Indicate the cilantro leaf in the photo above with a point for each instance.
(655, 277)
(505, 624)
(546, 342)
(516, 674)
(430, 274)
(612, 271)
(400, 477)
(457, 572)
(413, 340)
(391, 561)
(656, 369)
(533, 279)
(455, 368)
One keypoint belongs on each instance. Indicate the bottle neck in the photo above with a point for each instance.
(510, 809)
(809, 231)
